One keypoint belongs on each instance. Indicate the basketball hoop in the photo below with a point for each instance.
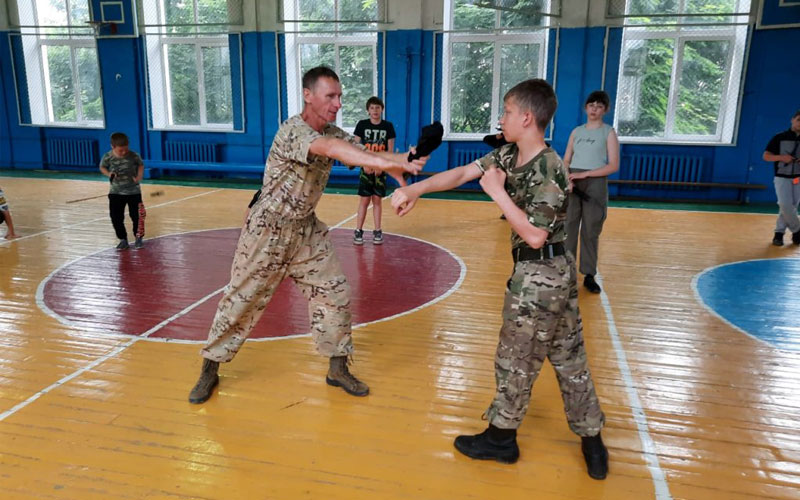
(97, 26)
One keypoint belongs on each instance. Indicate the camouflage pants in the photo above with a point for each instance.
(541, 320)
(270, 249)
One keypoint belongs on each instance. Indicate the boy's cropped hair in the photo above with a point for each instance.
(796, 114)
(375, 100)
(119, 139)
(600, 96)
(536, 96)
(311, 76)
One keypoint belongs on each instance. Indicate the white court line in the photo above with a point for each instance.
(70, 226)
(97, 361)
(114, 352)
(648, 447)
(699, 298)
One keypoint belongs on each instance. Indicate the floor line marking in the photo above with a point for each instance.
(70, 226)
(117, 350)
(639, 417)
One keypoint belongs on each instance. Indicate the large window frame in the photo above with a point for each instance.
(158, 40)
(683, 29)
(37, 39)
(499, 36)
(342, 36)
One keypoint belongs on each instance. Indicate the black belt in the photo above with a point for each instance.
(546, 252)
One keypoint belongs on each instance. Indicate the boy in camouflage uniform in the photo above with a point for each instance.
(283, 238)
(540, 316)
(125, 170)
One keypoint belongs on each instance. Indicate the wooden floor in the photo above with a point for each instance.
(695, 408)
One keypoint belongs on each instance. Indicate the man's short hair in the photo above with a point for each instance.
(375, 100)
(796, 114)
(119, 139)
(600, 96)
(311, 76)
(537, 96)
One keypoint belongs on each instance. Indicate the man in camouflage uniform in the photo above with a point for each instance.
(283, 238)
(540, 316)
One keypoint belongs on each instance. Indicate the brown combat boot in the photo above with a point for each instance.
(205, 384)
(340, 376)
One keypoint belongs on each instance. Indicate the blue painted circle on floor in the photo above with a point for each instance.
(759, 297)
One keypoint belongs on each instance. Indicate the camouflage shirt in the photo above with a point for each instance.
(539, 188)
(294, 178)
(124, 169)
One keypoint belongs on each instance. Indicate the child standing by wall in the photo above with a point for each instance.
(378, 135)
(592, 155)
(125, 170)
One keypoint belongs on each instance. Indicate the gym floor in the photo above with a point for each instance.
(693, 344)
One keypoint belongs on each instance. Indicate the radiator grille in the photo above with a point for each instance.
(466, 156)
(201, 152)
(72, 152)
(666, 168)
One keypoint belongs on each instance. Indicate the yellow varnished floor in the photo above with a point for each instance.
(695, 409)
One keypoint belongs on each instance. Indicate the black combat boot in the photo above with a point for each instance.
(340, 376)
(205, 384)
(796, 238)
(596, 456)
(492, 444)
(777, 240)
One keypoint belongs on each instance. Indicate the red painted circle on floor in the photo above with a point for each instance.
(135, 291)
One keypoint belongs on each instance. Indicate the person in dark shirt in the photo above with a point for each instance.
(783, 150)
(377, 135)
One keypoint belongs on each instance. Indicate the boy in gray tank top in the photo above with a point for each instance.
(592, 155)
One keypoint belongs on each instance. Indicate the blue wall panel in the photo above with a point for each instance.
(412, 71)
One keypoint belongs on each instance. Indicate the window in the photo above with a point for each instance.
(488, 50)
(61, 68)
(340, 34)
(189, 64)
(680, 70)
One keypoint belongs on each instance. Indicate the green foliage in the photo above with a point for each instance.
(648, 64)
(471, 87)
(701, 85)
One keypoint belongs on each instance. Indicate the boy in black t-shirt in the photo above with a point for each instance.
(377, 135)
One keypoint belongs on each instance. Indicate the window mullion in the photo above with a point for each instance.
(723, 105)
(201, 84)
(677, 62)
(76, 84)
(496, 68)
(48, 88)
(338, 64)
(167, 84)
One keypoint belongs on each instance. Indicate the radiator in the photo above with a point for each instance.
(668, 168)
(201, 152)
(72, 152)
(465, 156)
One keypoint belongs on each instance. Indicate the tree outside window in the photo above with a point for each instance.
(62, 71)
(488, 45)
(189, 66)
(679, 75)
(340, 34)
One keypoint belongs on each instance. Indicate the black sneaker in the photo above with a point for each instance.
(377, 237)
(123, 245)
(777, 240)
(796, 238)
(591, 284)
(138, 244)
(358, 237)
